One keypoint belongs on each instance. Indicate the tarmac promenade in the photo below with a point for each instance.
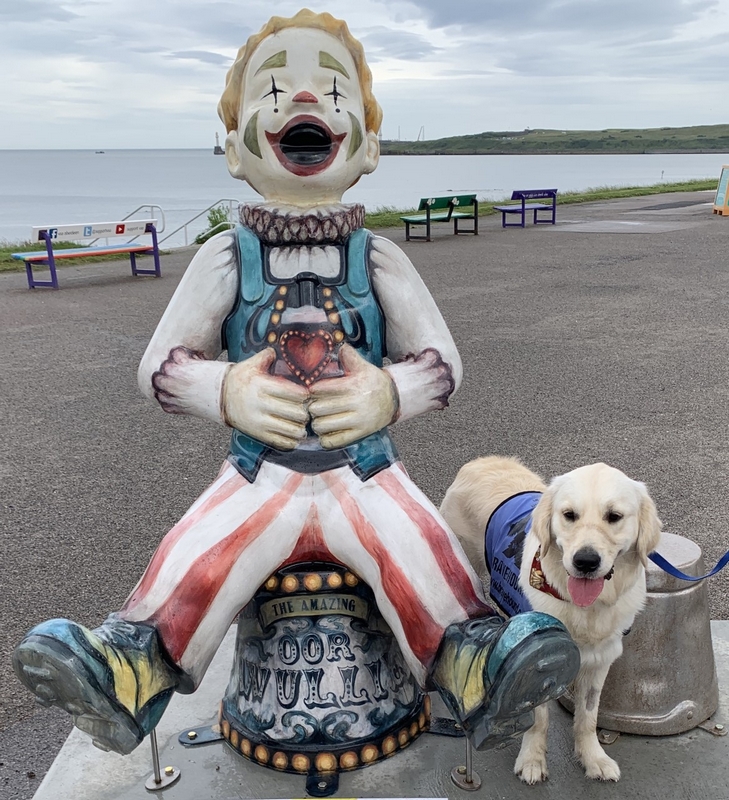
(603, 338)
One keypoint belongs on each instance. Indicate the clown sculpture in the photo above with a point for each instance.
(331, 336)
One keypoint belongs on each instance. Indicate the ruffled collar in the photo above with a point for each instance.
(277, 225)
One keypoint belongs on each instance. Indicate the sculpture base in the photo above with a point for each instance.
(318, 760)
(652, 768)
(319, 684)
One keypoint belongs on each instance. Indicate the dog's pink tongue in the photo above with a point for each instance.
(584, 591)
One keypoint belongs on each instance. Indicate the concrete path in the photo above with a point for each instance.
(602, 338)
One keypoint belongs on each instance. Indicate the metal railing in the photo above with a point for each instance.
(232, 209)
(150, 207)
(156, 212)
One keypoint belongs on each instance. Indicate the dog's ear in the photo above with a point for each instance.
(649, 526)
(542, 520)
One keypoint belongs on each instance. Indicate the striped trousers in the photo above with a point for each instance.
(236, 534)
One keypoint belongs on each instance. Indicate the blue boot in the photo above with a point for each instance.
(113, 680)
(492, 673)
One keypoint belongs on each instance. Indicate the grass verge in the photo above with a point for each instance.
(390, 217)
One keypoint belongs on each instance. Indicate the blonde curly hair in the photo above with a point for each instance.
(230, 100)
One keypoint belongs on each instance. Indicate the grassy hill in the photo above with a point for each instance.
(696, 139)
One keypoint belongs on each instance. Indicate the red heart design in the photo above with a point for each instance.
(307, 354)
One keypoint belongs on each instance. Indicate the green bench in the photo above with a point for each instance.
(444, 209)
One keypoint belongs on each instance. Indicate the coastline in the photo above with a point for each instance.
(687, 140)
(390, 217)
(576, 152)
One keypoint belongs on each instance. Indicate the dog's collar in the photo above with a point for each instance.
(538, 580)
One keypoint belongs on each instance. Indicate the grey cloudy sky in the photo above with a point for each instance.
(148, 73)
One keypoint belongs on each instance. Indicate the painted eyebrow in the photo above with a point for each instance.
(276, 60)
(329, 62)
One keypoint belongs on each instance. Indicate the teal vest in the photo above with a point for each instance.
(244, 335)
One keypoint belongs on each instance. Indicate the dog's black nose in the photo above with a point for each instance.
(586, 560)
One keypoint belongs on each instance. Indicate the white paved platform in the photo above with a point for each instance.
(693, 766)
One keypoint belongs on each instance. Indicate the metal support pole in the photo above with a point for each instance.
(466, 777)
(159, 779)
(155, 756)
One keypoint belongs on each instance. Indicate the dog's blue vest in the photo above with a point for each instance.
(503, 544)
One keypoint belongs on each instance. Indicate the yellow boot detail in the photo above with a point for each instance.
(137, 677)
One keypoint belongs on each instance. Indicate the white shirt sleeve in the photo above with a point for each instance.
(426, 366)
(179, 367)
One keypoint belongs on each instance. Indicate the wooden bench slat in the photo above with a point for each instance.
(80, 252)
(423, 218)
(517, 208)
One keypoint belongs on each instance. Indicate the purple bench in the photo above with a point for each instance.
(523, 207)
(90, 231)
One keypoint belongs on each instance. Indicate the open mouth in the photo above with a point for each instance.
(584, 591)
(305, 145)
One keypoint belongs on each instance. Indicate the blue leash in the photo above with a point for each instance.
(658, 559)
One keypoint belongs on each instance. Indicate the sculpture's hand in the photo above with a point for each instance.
(268, 408)
(346, 409)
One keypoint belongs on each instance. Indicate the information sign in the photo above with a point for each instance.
(93, 230)
(721, 201)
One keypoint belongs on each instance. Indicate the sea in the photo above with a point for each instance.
(49, 187)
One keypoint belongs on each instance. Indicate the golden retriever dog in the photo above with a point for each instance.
(583, 561)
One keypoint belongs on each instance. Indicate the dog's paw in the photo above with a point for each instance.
(531, 769)
(601, 768)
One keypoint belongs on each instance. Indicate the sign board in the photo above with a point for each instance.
(92, 230)
(721, 201)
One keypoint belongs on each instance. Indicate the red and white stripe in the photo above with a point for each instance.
(237, 534)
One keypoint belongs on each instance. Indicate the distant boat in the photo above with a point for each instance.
(218, 150)
(99, 151)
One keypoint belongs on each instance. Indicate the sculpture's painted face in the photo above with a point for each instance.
(301, 138)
